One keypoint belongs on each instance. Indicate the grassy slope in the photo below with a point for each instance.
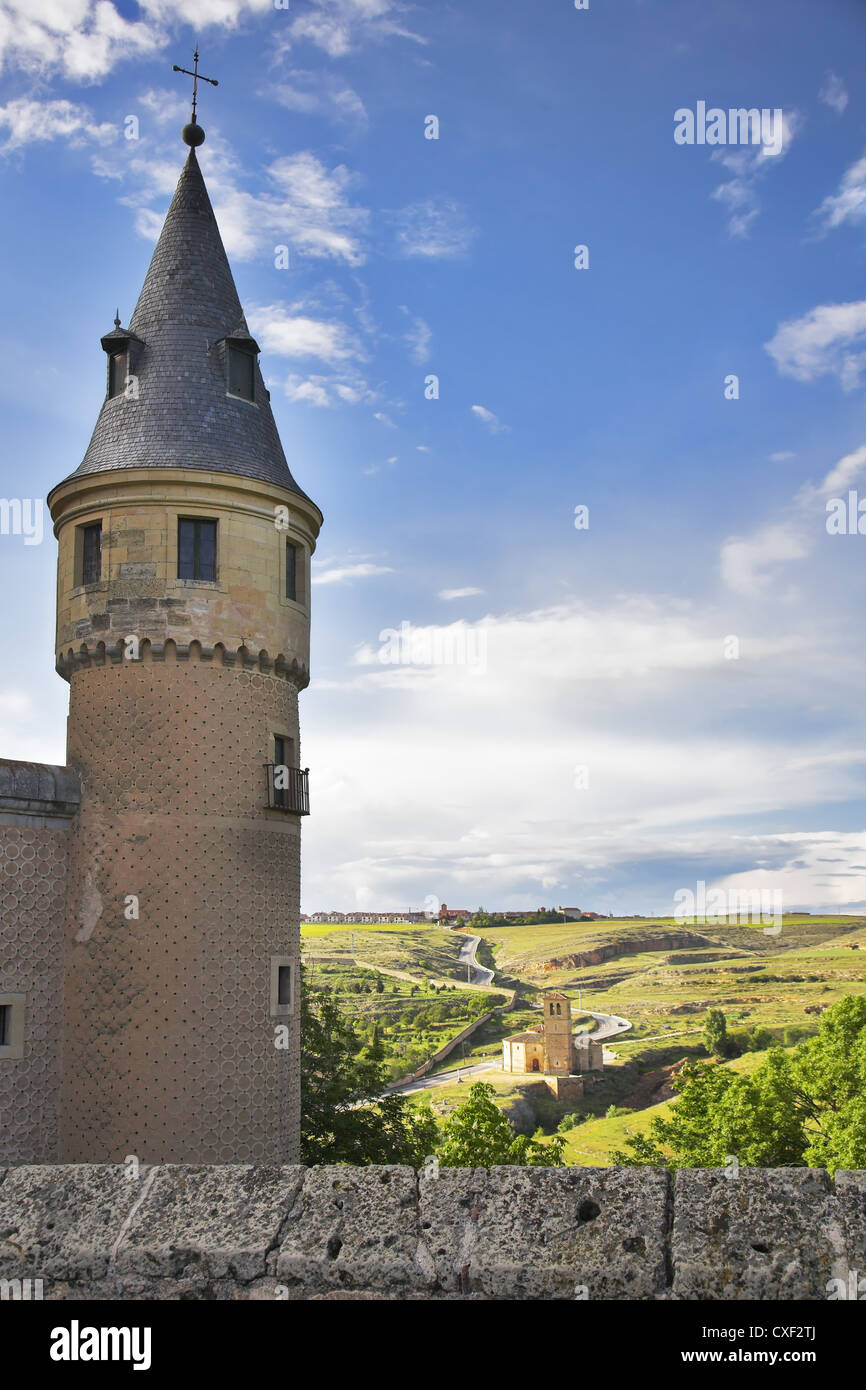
(589, 1145)
(665, 991)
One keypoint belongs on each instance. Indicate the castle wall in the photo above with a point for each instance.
(170, 1033)
(184, 888)
(139, 592)
(36, 806)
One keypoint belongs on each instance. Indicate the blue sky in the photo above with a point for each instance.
(608, 750)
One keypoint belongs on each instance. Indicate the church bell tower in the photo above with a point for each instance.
(183, 614)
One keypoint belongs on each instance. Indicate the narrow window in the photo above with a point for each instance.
(241, 373)
(91, 567)
(196, 549)
(291, 571)
(284, 986)
(12, 1026)
(281, 790)
(117, 373)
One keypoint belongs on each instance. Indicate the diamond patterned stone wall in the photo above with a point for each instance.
(170, 1051)
(33, 860)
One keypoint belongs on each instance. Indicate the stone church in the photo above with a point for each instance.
(149, 888)
(550, 1048)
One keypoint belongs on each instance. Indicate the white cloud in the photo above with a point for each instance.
(844, 473)
(752, 564)
(313, 93)
(668, 768)
(782, 456)
(418, 339)
(28, 121)
(283, 332)
(304, 205)
(339, 27)
(434, 229)
(749, 164)
(342, 573)
(226, 13)
(493, 423)
(833, 93)
(829, 340)
(86, 39)
(83, 39)
(165, 106)
(384, 419)
(849, 204)
(326, 391)
(459, 593)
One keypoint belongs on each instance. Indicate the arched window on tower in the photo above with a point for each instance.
(559, 1011)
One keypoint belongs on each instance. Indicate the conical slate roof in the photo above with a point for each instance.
(183, 416)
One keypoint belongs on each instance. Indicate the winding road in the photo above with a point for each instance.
(606, 1026)
(480, 974)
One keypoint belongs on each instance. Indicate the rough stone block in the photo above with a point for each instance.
(766, 1234)
(61, 1222)
(851, 1210)
(529, 1233)
(219, 1222)
(352, 1228)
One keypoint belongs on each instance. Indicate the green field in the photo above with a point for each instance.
(313, 929)
(662, 975)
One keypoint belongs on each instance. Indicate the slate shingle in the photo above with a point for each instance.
(183, 416)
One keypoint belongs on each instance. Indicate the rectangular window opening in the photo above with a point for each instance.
(117, 373)
(291, 571)
(196, 549)
(281, 772)
(241, 373)
(284, 986)
(12, 1026)
(91, 565)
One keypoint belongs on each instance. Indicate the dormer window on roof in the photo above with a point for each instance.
(121, 345)
(241, 351)
(242, 366)
(118, 370)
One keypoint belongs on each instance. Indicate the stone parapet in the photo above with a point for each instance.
(40, 790)
(262, 1233)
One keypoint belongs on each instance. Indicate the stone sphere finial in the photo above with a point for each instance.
(192, 134)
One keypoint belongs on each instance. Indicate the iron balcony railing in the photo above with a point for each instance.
(288, 788)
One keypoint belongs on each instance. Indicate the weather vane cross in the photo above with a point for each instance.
(196, 78)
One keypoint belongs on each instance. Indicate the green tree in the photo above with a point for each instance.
(478, 1135)
(801, 1107)
(375, 1050)
(716, 1033)
(336, 1078)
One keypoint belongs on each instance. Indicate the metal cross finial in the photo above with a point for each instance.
(196, 78)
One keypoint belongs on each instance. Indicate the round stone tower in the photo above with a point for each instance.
(183, 629)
